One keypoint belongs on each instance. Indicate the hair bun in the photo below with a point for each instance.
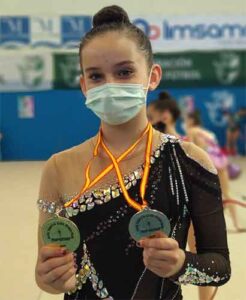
(164, 95)
(110, 14)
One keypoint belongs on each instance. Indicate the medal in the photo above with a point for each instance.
(61, 231)
(147, 222)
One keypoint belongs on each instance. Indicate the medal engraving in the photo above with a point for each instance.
(147, 222)
(61, 231)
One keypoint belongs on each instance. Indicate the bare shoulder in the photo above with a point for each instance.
(79, 154)
(199, 155)
(59, 168)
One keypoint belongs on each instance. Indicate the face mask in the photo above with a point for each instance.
(116, 103)
(160, 126)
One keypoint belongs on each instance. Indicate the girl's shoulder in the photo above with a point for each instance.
(196, 154)
(58, 170)
(79, 154)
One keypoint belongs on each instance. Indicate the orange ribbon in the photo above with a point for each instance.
(88, 183)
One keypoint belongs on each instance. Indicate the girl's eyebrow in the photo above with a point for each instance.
(129, 62)
(92, 69)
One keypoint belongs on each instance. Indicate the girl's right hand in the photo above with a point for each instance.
(56, 268)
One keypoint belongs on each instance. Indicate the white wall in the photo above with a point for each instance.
(163, 7)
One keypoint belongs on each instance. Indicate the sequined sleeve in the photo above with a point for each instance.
(211, 265)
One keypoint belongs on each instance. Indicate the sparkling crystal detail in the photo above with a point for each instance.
(98, 194)
(132, 177)
(100, 284)
(157, 153)
(138, 173)
(152, 160)
(75, 204)
(104, 293)
(90, 205)
(75, 212)
(126, 181)
(128, 186)
(99, 202)
(98, 293)
(83, 208)
(94, 278)
(81, 199)
(107, 198)
(107, 192)
(89, 200)
(115, 193)
(94, 285)
(69, 211)
(88, 195)
(51, 208)
(194, 276)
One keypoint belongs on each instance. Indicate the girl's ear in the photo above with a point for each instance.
(155, 77)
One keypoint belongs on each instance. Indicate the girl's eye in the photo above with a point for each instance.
(125, 73)
(95, 76)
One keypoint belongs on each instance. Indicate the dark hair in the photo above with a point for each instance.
(166, 102)
(196, 117)
(115, 18)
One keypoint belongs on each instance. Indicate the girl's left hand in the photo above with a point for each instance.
(162, 255)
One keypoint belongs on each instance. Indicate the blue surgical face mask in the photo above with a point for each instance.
(116, 103)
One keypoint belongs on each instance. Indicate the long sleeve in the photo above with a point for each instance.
(211, 265)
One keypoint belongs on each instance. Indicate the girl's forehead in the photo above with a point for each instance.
(111, 48)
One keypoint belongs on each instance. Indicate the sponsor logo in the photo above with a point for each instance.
(73, 28)
(203, 31)
(14, 31)
(45, 31)
(168, 30)
(221, 102)
(227, 68)
(69, 69)
(32, 70)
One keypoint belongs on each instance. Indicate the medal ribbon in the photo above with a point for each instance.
(144, 180)
(88, 183)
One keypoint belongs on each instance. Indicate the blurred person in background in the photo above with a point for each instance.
(234, 130)
(208, 141)
(163, 114)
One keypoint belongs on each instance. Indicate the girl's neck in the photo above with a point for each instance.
(120, 137)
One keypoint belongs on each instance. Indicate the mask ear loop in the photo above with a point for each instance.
(147, 88)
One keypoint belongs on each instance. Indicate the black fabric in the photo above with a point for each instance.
(120, 269)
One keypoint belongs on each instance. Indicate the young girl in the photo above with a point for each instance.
(143, 168)
(163, 114)
(208, 141)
